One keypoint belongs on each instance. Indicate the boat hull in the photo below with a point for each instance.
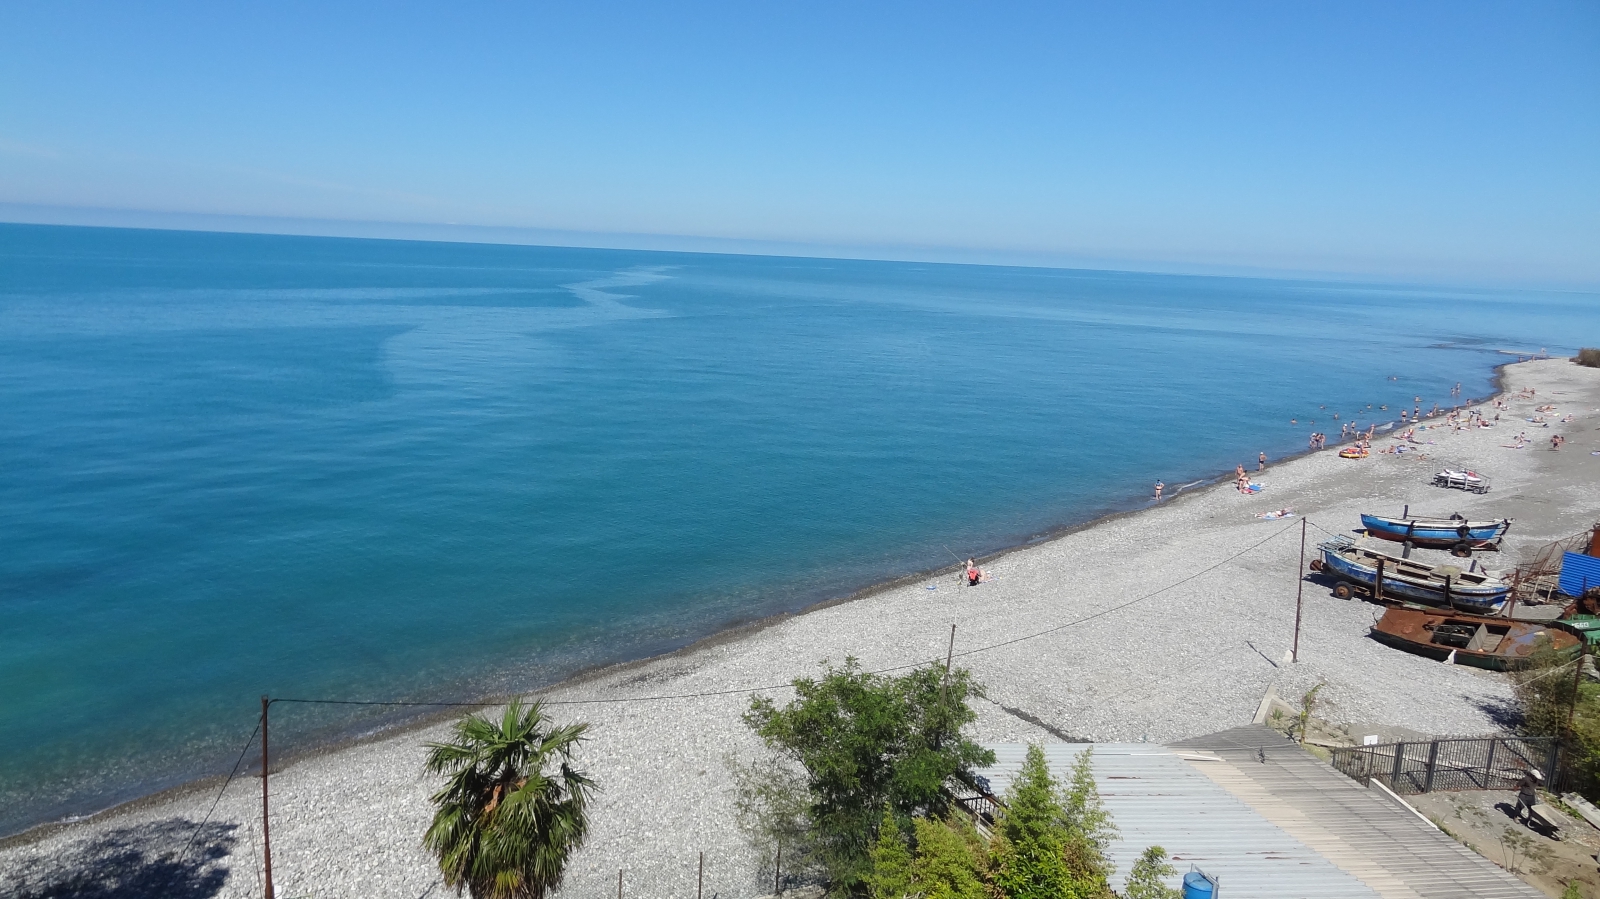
(1480, 598)
(1439, 533)
(1495, 644)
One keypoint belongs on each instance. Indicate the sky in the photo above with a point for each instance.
(1452, 141)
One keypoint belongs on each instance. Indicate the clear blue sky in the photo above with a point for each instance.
(1439, 140)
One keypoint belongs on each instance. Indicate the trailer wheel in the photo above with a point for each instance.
(1343, 591)
(1316, 564)
(1461, 550)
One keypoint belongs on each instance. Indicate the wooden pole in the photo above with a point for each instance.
(700, 888)
(1378, 586)
(1577, 684)
(1299, 590)
(949, 655)
(777, 872)
(619, 883)
(266, 835)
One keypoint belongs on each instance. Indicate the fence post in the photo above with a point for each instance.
(777, 873)
(1550, 764)
(1433, 758)
(700, 888)
(619, 883)
(1399, 760)
(1488, 766)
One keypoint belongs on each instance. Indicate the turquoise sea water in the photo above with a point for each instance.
(235, 465)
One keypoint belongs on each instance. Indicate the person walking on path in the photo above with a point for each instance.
(1527, 794)
(1261, 462)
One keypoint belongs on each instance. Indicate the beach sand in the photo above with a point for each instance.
(1118, 663)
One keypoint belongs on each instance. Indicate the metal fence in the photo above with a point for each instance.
(1473, 763)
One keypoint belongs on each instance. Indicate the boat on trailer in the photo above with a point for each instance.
(1356, 570)
(1497, 644)
(1457, 534)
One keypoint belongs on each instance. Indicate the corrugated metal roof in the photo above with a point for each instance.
(1370, 835)
(1272, 821)
(1579, 573)
(1157, 798)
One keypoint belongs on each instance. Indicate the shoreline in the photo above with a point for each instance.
(351, 738)
(348, 818)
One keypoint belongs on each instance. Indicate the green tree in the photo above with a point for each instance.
(513, 808)
(1147, 878)
(1051, 841)
(867, 743)
(1028, 860)
(1087, 823)
(949, 861)
(891, 876)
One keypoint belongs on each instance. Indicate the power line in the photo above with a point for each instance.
(742, 690)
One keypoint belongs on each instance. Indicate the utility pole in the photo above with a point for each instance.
(944, 690)
(1577, 685)
(266, 838)
(944, 686)
(1299, 590)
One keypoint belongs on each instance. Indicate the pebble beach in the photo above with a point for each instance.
(1158, 625)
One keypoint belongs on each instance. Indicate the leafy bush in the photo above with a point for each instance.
(1145, 880)
(851, 746)
(1543, 688)
(950, 860)
(1589, 356)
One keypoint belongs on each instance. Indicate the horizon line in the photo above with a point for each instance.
(518, 235)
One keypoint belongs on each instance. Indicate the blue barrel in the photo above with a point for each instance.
(1196, 886)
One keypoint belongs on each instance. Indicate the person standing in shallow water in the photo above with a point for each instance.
(1159, 487)
(1261, 462)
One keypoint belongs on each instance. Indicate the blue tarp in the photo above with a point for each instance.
(1578, 573)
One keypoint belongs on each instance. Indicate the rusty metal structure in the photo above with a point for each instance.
(1533, 582)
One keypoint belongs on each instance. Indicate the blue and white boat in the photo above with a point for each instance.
(1454, 533)
(1355, 567)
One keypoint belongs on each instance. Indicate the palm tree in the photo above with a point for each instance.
(505, 826)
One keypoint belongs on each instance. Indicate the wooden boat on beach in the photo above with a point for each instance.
(1361, 570)
(1493, 643)
(1456, 534)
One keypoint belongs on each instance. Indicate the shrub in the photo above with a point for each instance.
(950, 860)
(858, 744)
(1147, 878)
(891, 876)
(1050, 843)
(1589, 356)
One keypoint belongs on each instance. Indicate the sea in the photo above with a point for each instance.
(239, 465)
